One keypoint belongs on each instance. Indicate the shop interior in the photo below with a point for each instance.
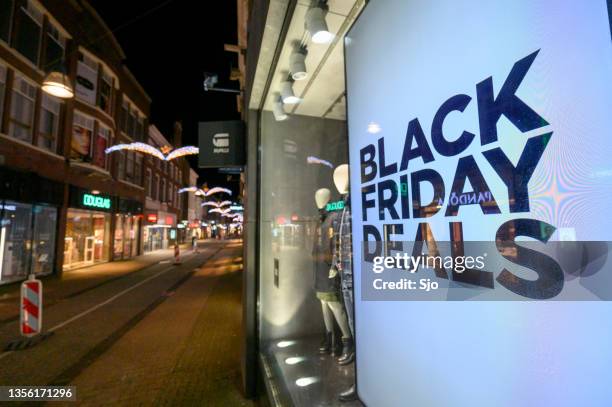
(87, 238)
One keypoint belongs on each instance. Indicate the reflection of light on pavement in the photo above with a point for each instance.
(285, 344)
(294, 360)
(306, 381)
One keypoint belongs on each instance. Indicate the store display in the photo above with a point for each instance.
(327, 286)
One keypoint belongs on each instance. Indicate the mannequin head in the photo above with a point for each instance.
(322, 197)
(341, 178)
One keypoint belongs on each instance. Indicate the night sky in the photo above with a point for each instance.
(169, 44)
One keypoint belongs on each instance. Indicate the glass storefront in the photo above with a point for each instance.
(87, 238)
(125, 244)
(304, 304)
(27, 240)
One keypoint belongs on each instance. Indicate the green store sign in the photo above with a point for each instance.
(96, 201)
(335, 206)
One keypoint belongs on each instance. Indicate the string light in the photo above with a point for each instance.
(147, 149)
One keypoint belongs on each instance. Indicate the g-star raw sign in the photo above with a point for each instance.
(221, 144)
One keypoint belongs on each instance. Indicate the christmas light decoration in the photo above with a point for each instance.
(225, 203)
(314, 160)
(164, 154)
(210, 203)
(216, 190)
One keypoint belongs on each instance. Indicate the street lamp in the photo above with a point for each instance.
(57, 84)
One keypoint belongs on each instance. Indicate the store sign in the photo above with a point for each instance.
(151, 218)
(334, 206)
(86, 82)
(476, 143)
(221, 144)
(96, 201)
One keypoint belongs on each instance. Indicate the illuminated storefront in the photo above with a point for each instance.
(87, 239)
(160, 231)
(128, 219)
(28, 225)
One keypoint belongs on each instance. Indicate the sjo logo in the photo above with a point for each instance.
(96, 201)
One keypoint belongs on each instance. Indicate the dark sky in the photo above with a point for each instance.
(169, 44)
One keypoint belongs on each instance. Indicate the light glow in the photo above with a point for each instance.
(315, 160)
(147, 149)
(285, 344)
(294, 360)
(306, 381)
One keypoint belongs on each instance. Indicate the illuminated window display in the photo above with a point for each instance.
(87, 238)
(27, 240)
(125, 244)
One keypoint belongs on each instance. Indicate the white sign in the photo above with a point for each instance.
(493, 121)
(86, 83)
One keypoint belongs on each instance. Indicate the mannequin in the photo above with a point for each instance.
(343, 263)
(327, 289)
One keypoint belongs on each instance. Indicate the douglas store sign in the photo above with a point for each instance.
(492, 143)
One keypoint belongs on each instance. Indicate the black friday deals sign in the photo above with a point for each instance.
(479, 126)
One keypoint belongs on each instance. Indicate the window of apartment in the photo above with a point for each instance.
(155, 187)
(105, 93)
(54, 49)
(82, 134)
(169, 193)
(148, 186)
(86, 79)
(22, 109)
(121, 165)
(138, 169)
(29, 29)
(131, 125)
(129, 170)
(124, 116)
(162, 191)
(6, 16)
(2, 88)
(48, 126)
(139, 129)
(102, 142)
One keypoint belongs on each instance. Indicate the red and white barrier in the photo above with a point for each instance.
(31, 307)
(177, 254)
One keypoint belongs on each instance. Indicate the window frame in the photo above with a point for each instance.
(41, 136)
(18, 79)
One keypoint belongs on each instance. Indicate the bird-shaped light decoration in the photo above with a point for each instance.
(217, 190)
(165, 153)
(225, 203)
(211, 203)
(221, 211)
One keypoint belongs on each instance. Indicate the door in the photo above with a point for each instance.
(89, 249)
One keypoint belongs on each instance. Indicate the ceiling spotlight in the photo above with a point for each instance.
(287, 94)
(297, 63)
(317, 26)
(278, 110)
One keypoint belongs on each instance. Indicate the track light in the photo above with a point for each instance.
(287, 94)
(297, 63)
(317, 26)
(279, 111)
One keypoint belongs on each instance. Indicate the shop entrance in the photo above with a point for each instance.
(87, 238)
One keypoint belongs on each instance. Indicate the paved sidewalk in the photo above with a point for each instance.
(186, 352)
(74, 282)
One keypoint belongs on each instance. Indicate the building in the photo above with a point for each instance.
(163, 203)
(191, 223)
(64, 202)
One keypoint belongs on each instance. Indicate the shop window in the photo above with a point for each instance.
(138, 169)
(54, 49)
(87, 238)
(28, 35)
(105, 93)
(102, 142)
(2, 88)
(22, 109)
(49, 122)
(6, 14)
(15, 237)
(43, 244)
(82, 132)
(86, 79)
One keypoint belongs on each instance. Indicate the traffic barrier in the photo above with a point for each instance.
(31, 307)
(177, 254)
